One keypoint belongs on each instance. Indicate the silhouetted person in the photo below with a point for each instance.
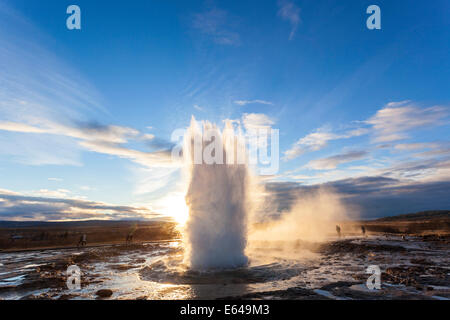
(363, 230)
(129, 238)
(338, 230)
(83, 241)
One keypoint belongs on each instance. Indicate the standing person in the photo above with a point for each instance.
(83, 241)
(131, 233)
(338, 230)
(363, 230)
(129, 238)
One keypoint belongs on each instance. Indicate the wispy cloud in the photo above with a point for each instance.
(98, 138)
(288, 11)
(442, 151)
(45, 104)
(318, 140)
(333, 161)
(415, 146)
(197, 107)
(85, 131)
(216, 24)
(37, 86)
(147, 159)
(434, 168)
(312, 142)
(393, 122)
(428, 166)
(245, 102)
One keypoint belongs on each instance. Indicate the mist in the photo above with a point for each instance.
(312, 217)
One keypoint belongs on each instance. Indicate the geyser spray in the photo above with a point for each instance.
(216, 230)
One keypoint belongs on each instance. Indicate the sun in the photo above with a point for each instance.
(175, 206)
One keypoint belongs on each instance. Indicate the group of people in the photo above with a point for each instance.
(338, 230)
(83, 240)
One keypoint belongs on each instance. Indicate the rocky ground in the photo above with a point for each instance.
(412, 268)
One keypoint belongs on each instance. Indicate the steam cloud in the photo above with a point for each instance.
(313, 217)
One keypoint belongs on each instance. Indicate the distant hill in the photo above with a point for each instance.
(28, 235)
(74, 224)
(423, 215)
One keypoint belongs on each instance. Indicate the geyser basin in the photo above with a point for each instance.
(173, 272)
(217, 197)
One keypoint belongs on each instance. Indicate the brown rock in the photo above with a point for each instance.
(104, 293)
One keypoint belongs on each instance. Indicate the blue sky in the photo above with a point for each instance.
(86, 115)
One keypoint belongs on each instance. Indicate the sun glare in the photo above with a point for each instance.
(175, 206)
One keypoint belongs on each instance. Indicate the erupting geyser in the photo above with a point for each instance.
(217, 197)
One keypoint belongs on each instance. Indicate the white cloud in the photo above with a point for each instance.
(9, 192)
(288, 11)
(358, 132)
(148, 136)
(245, 102)
(395, 120)
(256, 121)
(59, 193)
(395, 104)
(20, 127)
